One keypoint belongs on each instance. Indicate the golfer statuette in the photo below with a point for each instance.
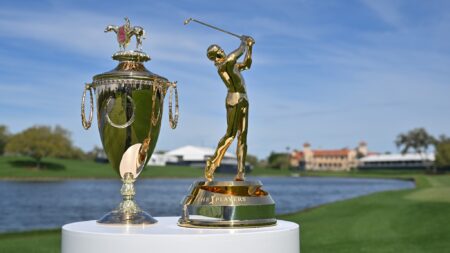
(229, 70)
(237, 203)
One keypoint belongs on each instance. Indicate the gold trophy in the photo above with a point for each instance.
(129, 103)
(237, 203)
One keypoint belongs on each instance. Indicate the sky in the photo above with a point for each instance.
(331, 73)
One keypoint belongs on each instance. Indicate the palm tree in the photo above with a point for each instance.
(442, 152)
(418, 140)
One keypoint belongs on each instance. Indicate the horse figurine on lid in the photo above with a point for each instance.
(125, 32)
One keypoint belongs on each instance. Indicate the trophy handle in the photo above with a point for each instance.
(109, 108)
(142, 156)
(156, 89)
(87, 123)
(173, 120)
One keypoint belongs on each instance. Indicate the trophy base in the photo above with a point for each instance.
(118, 217)
(227, 204)
(166, 237)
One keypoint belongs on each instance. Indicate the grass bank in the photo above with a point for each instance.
(408, 221)
(47, 241)
(23, 168)
(416, 220)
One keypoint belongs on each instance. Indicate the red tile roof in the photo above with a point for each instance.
(331, 152)
(297, 155)
(321, 152)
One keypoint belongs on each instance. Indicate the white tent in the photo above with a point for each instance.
(192, 155)
(397, 161)
(398, 157)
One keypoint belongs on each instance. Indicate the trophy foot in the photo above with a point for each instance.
(128, 211)
(240, 177)
(118, 217)
(209, 177)
(209, 171)
(227, 204)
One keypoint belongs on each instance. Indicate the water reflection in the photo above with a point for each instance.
(38, 205)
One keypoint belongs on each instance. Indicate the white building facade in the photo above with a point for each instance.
(191, 156)
(397, 161)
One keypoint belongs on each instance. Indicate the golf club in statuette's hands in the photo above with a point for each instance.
(129, 102)
(237, 203)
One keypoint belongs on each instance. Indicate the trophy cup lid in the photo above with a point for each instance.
(131, 62)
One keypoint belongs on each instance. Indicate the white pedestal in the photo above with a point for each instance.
(166, 237)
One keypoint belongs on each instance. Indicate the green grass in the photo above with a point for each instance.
(410, 221)
(53, 168)
(46, 241)
(24, 168)
(416, 220)
(379, 223)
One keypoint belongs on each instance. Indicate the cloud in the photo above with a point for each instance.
(387, 11)
(80, 32)
(74, 30)
(314, 77)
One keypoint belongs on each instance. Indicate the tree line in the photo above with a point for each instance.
(39, 142)
(419, 141)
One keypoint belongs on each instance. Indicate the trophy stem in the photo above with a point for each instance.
(128, 206)
(128, 211)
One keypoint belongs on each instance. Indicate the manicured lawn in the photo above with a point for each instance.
(416, 220)
(48, 241)
(24, 168)
(398, 221)
(53, 168)
(406, 221)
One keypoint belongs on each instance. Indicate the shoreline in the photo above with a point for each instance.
(72, 170)
(298, 212)
(309, 209)
(402, 221)
(220, 176)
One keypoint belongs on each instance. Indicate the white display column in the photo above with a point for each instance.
(166, 237)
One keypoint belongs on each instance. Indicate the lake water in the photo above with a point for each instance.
(39, 205)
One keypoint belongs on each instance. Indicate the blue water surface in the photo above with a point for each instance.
(29, 205)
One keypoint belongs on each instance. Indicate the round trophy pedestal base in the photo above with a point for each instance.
(118, 217)
(166, 237)
(201, 222)
(227, 204)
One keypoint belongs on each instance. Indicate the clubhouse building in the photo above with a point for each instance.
(328, 159)
(358, 158)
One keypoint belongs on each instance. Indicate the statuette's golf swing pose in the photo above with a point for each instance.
(229, 70)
